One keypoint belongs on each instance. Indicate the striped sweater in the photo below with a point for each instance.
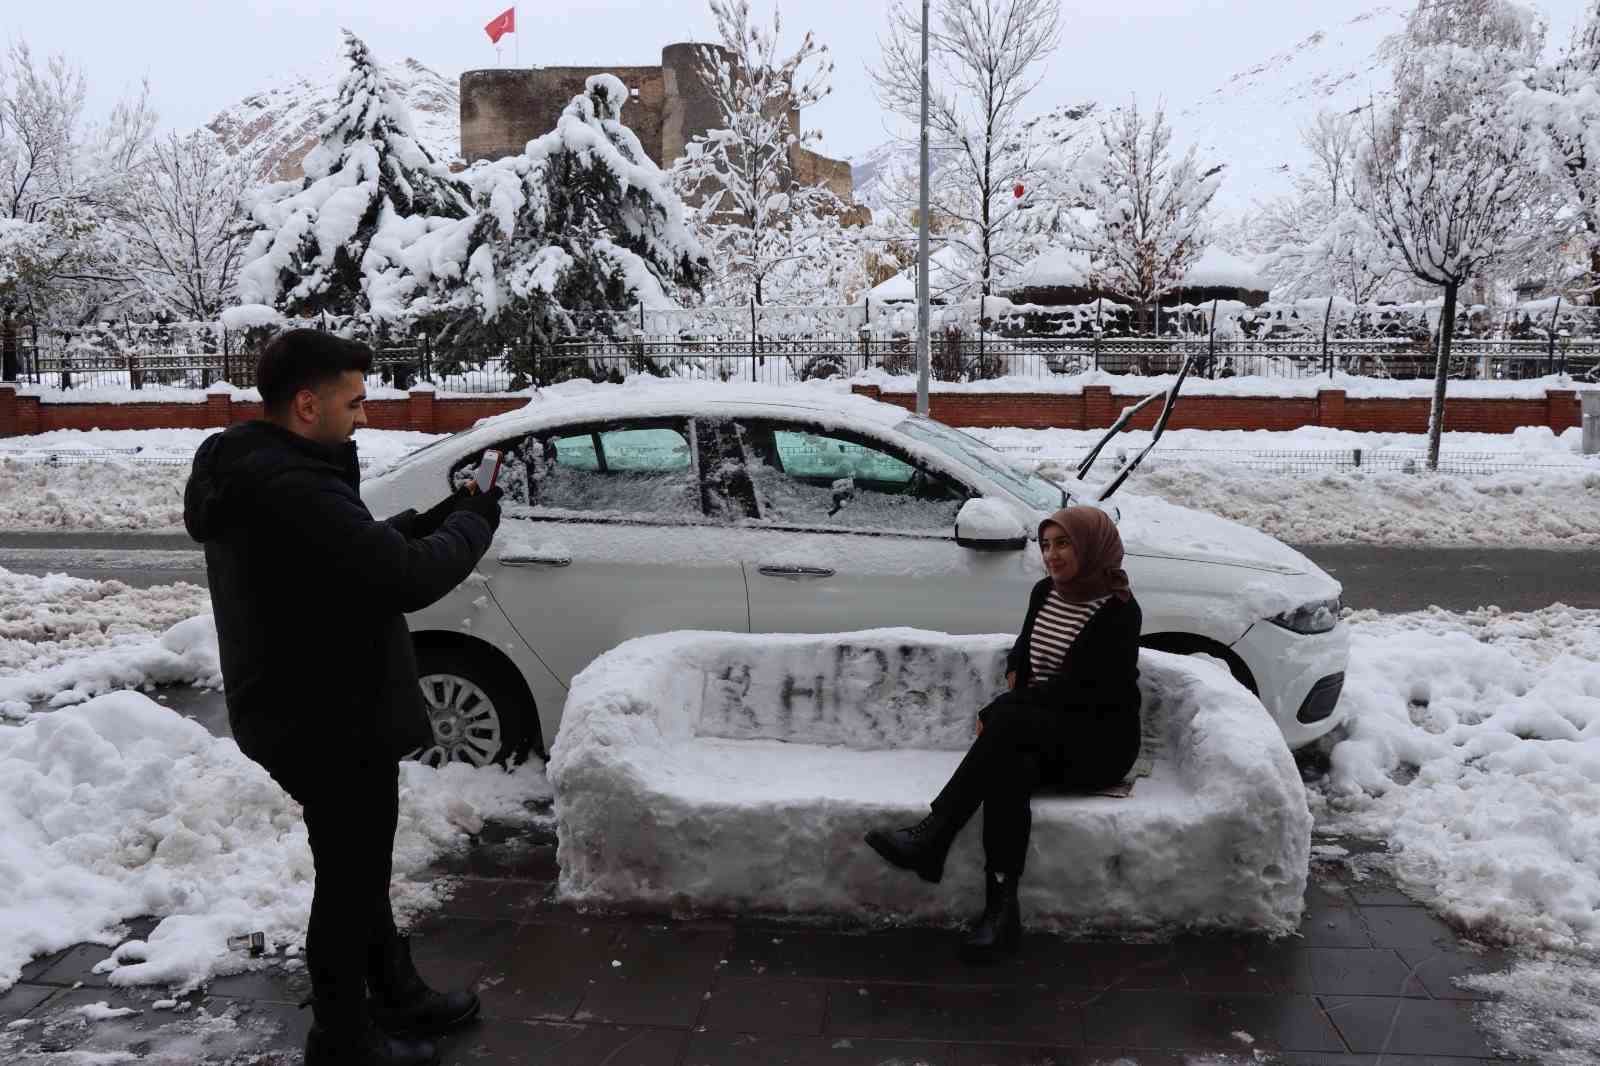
(1054, 631)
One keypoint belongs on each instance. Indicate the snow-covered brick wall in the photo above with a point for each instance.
(731, 771)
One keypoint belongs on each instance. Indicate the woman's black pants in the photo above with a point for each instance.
(1024, 746)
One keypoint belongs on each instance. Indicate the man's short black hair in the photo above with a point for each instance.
(305, 359)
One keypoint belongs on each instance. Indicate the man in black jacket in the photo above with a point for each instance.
(310, 594)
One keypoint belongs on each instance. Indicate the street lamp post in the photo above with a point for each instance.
(924, 342)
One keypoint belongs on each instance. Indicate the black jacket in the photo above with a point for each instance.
(309, 593)
(1102, 668)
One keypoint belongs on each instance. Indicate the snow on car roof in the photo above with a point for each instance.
(642, 398)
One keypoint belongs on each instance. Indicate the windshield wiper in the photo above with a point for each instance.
(1161, 427)
(1116, 427)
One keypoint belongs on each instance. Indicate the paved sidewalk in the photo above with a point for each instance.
(1371, 976)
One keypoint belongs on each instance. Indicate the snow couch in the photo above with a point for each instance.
(720, 772)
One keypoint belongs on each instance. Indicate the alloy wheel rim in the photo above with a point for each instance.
(466, 724)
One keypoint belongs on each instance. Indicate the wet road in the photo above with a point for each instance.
(1386, 579)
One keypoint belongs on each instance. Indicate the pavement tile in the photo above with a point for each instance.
(272, 984)
(1238, 966)
(1332, 920)
(977, 1014)
(761, 1005)
(1376, 890)
(1437, 969)
(454, 952)
(74, 965)
(1209, 1023)
(1314, 1059)
(1407, 1027)
(32, 970)
(506, 1042)
(1094, 964)
(546, 971)
(746, 1049)
(1020, 1055)
(1354, 972)
(20, 999)
(492, 897)
(658, 975)
(1407, 927)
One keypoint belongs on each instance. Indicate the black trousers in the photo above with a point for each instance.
(352, 808)
(1022, 748)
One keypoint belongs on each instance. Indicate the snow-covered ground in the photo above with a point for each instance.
(1472, 753)
(1528, 488)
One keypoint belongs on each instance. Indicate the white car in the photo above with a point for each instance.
(638, 510)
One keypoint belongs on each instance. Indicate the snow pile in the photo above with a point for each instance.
(735, 772)
(64, 639)
(1221, 269)
(119, 808)
(1473, 750)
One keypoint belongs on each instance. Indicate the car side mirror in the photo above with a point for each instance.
(987, 525)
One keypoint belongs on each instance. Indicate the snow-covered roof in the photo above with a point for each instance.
(1054, 268)
(1221, 269)
(946, 270)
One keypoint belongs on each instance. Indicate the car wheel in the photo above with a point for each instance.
(475, 712)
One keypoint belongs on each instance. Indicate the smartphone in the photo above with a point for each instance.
(488, 471)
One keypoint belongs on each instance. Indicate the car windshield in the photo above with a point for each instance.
(976, 455)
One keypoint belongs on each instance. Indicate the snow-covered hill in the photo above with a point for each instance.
(281, 122)
(1251, 122)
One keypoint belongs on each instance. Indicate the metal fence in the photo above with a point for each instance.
(781, 360)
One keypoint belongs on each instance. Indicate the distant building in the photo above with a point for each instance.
(503, 109)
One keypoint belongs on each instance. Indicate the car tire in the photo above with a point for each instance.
(477, 712)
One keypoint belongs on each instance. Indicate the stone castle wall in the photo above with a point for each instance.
(502, 110)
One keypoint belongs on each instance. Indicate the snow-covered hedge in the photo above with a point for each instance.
(732, 771)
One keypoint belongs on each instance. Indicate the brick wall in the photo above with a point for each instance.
(422, 410)
(1098, 406)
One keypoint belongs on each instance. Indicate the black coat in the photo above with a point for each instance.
(310, 593)
(1101, 673)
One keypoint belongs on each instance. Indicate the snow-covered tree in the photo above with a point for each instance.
(63, 175)
(1314, 242)
(1447, 166)
(182, 225)
(1562, 99)
(316, 241)
(757, 220)
(581, 222)
(1148, 214)
(985, 57)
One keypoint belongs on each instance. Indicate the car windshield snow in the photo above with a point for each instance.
(976, 455)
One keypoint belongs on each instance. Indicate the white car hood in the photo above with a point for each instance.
(1155, 527)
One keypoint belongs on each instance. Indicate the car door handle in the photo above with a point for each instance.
(534, 560)
(796, 571)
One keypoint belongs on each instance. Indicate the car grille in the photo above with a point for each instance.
(1321, 700)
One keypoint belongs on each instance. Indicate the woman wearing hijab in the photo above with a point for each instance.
(1070, 719)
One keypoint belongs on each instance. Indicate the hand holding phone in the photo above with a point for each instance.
(488, 471)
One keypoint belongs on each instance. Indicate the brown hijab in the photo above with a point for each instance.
(1098, 545)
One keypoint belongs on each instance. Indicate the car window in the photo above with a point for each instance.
(514, 465)
(835, 480)
(623, 471)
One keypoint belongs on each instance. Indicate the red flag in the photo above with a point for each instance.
(502, 24)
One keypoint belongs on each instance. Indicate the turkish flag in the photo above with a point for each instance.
(502, 24)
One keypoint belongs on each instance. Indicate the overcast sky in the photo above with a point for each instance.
(202, 55)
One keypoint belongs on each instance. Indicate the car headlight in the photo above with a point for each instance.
(1319, 616)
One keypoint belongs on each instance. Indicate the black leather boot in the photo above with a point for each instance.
(365, 1045)
(920, 848)
(998, 933)
(403, 1005)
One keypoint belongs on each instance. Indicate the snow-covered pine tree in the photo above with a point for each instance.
(1148, 218)
(369, 187)
(579, 225)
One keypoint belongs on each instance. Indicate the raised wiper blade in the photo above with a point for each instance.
(1116, 427)
(1161, 427)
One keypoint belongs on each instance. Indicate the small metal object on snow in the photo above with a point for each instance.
(254, 943)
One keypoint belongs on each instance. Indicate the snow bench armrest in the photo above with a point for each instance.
(735, 771)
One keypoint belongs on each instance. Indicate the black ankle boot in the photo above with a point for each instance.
(998, 933)
(921, 847)
(403, 1005)
(365, 1046)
